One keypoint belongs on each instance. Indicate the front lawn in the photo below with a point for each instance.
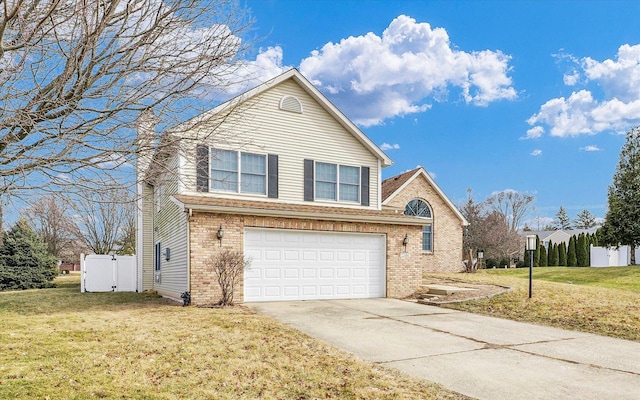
(597, 300)
(63, 344)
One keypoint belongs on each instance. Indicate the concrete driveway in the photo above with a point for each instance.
(482, 357)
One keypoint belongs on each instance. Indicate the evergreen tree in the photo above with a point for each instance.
(24, 260)
(562, 220)
(543, 256)
(553, 255)
(622, 221)
(584, 220)
(581, 251)
(572, 258)
(562, 254)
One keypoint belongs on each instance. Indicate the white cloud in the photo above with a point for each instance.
(386, 146)
(571, 78)
(536, 152)
(582, 113)
(590, 148)
(534, 133)
(432, 174)
(267, 65)
(373, 77)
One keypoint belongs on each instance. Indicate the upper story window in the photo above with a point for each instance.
(418, 208)
(337, 182)
(235, 171)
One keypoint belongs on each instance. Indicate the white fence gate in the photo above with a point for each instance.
(105, 273)
(612, 257)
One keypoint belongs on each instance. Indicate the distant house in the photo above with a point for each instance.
(558, 236)
(303, 197)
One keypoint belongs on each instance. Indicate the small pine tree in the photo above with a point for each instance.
(562, 254)
(543, 256)
(581, 251)
(553, 255)
(572, 258)
(25, 262)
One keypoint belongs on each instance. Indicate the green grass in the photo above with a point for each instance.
(624, 278)
(63, 344)
(596, 300)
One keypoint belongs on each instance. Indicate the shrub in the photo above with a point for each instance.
(491, 263)
(228, 266)
(521, 264)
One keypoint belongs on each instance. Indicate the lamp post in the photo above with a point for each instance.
(531, 247)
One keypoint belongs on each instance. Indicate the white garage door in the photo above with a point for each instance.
(310, 265)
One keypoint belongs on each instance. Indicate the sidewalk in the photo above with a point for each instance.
(479, 356)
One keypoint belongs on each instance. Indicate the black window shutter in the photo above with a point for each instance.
(272, 177)
(364, 186)
(308, 180)
(202, 168)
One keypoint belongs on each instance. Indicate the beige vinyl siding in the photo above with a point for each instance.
(314, 134)
(172, 233)
(148, 210)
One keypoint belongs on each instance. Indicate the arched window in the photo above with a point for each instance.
(418, 208)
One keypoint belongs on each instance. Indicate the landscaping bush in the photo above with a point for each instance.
(491, 263)
(521, 264)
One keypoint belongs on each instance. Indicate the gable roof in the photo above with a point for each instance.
(391, 187)
(294, 75)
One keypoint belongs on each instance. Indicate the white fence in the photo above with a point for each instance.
(612, 257)
(105, 273)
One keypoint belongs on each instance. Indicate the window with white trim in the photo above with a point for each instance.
(239, 172)
(337, 182)
(427, 238)
(420, 208)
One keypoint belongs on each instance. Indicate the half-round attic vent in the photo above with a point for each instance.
(291, 103)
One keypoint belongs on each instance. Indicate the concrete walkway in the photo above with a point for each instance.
(481, 357)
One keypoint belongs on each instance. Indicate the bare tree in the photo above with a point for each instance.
(511, 206)
(228, 266)
(49, 218)
(493, 224)
(103, 219)
(75, 76)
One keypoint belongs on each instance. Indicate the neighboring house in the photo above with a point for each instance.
(296, 187)
(558, 236)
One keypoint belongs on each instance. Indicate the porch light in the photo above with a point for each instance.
(405, 241)
(220, 234)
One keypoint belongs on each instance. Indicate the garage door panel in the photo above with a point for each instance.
(300, 265)
(309, 273)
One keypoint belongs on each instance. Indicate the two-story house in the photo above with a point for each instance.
(295, 186)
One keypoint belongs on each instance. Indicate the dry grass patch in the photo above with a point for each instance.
(59, 343)
(584, 307)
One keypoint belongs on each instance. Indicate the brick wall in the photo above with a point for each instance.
(404, 269)
(447, 228)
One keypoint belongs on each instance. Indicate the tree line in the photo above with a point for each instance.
(576, 253)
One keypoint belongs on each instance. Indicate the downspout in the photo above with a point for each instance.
(189, 215)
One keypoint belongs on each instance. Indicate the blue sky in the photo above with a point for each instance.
(532, 96)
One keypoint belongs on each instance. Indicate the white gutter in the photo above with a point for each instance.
(308, 215)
